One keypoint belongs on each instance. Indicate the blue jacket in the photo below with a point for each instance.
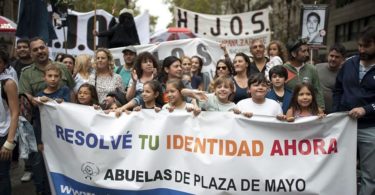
(349, 93)
(286, 100)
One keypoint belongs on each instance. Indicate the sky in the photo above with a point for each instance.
(157, 8)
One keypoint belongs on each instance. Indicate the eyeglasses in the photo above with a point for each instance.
(221, 67)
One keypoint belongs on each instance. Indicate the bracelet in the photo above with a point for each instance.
(9, 146)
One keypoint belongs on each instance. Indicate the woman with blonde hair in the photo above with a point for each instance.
(82, 70)
(104, 79)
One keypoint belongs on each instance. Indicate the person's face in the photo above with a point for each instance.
(222, 69)
(173, 94)
(39, 52)
(23, 50)
(366, 50)
(304, 97)
(335, 59)
(147, 65)
(129, 57)
(258, 90)
(273, 50)
(277, 81)
(52, 78)
(186, 65)
(240, 65)
(257, 49)
(312, 24)
(302, 54)
(149, 94)
(174, 70)
(84, 96)
(222, 92)
(102, 60)
(194, 65)
(69, 64)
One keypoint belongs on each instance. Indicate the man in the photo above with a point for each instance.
(32, 82)
(257, 49)
(129, 55)
(355, 92)
(23, 56)
(327, 73)
(299, 71)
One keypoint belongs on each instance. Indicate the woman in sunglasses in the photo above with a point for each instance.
(223, 69)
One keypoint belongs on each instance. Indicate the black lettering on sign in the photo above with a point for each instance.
(178, 52)
(102, 26)
(181, 20)
(196, 17)
(217, 33)
(239, 23)
(260, 22)
(202, 51)
(72, 32)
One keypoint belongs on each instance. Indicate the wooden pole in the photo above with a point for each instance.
(94, 26)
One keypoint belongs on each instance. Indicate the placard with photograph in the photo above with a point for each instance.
(314, 24)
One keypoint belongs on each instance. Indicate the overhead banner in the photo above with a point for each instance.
(237, 31)
(89, 152)
(209, 51)
(78, 32)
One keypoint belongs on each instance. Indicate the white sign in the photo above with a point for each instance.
(236, 31)
(89, 152)
(78, 33)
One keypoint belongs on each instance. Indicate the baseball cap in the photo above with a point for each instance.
(293, 45)
(130, 48)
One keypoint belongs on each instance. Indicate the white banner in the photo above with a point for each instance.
(209, 51)
(88, 152)
(236, 31)
(78, 33)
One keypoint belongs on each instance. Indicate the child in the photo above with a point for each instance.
(52, 77)
(277, 54)
(151, 98)
(220, 100)
(176, 99)
(87, 95)
(278, 75)
(303, 103)
(258, 103)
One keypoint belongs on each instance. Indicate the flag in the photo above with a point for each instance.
(35, 21)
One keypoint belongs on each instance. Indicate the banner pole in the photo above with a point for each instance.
(94, 26)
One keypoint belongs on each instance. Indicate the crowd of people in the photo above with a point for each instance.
(276, 81)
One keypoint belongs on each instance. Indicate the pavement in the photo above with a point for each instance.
(18, 187)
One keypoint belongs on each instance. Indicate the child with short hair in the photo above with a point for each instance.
(303, 103)
(258, 103)
(278, 75)
(52, 77)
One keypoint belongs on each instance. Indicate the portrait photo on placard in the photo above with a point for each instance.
(314, 24)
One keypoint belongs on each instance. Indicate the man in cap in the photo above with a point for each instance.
(129, 55)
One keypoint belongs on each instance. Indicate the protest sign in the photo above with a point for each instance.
(89, 152)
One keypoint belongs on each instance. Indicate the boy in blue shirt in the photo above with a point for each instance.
(278, 75)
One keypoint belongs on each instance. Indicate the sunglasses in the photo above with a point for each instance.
(221, 67)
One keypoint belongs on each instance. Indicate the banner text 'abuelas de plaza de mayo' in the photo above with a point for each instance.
(216, 152)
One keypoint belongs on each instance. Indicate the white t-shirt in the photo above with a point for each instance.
(213, 104)
(268, 107)
(167, 106)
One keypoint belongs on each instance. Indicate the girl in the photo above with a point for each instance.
(303, 103)
(87, 95)
(176, 99)
(220, 100)
(277, 54)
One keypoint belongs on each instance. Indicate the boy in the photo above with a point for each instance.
(52, 77)
(278, 75)
(258, 103)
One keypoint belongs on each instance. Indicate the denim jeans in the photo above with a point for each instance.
(366, 148)
(39, 173)
(5, 186)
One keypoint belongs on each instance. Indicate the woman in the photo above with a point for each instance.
(69, 62)
(171, 69)
(8, 121)
(242, 71)
(104, 79)
(82, 70)
(145, 69)
(223, 69)
(186, 65)
(199, 80)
